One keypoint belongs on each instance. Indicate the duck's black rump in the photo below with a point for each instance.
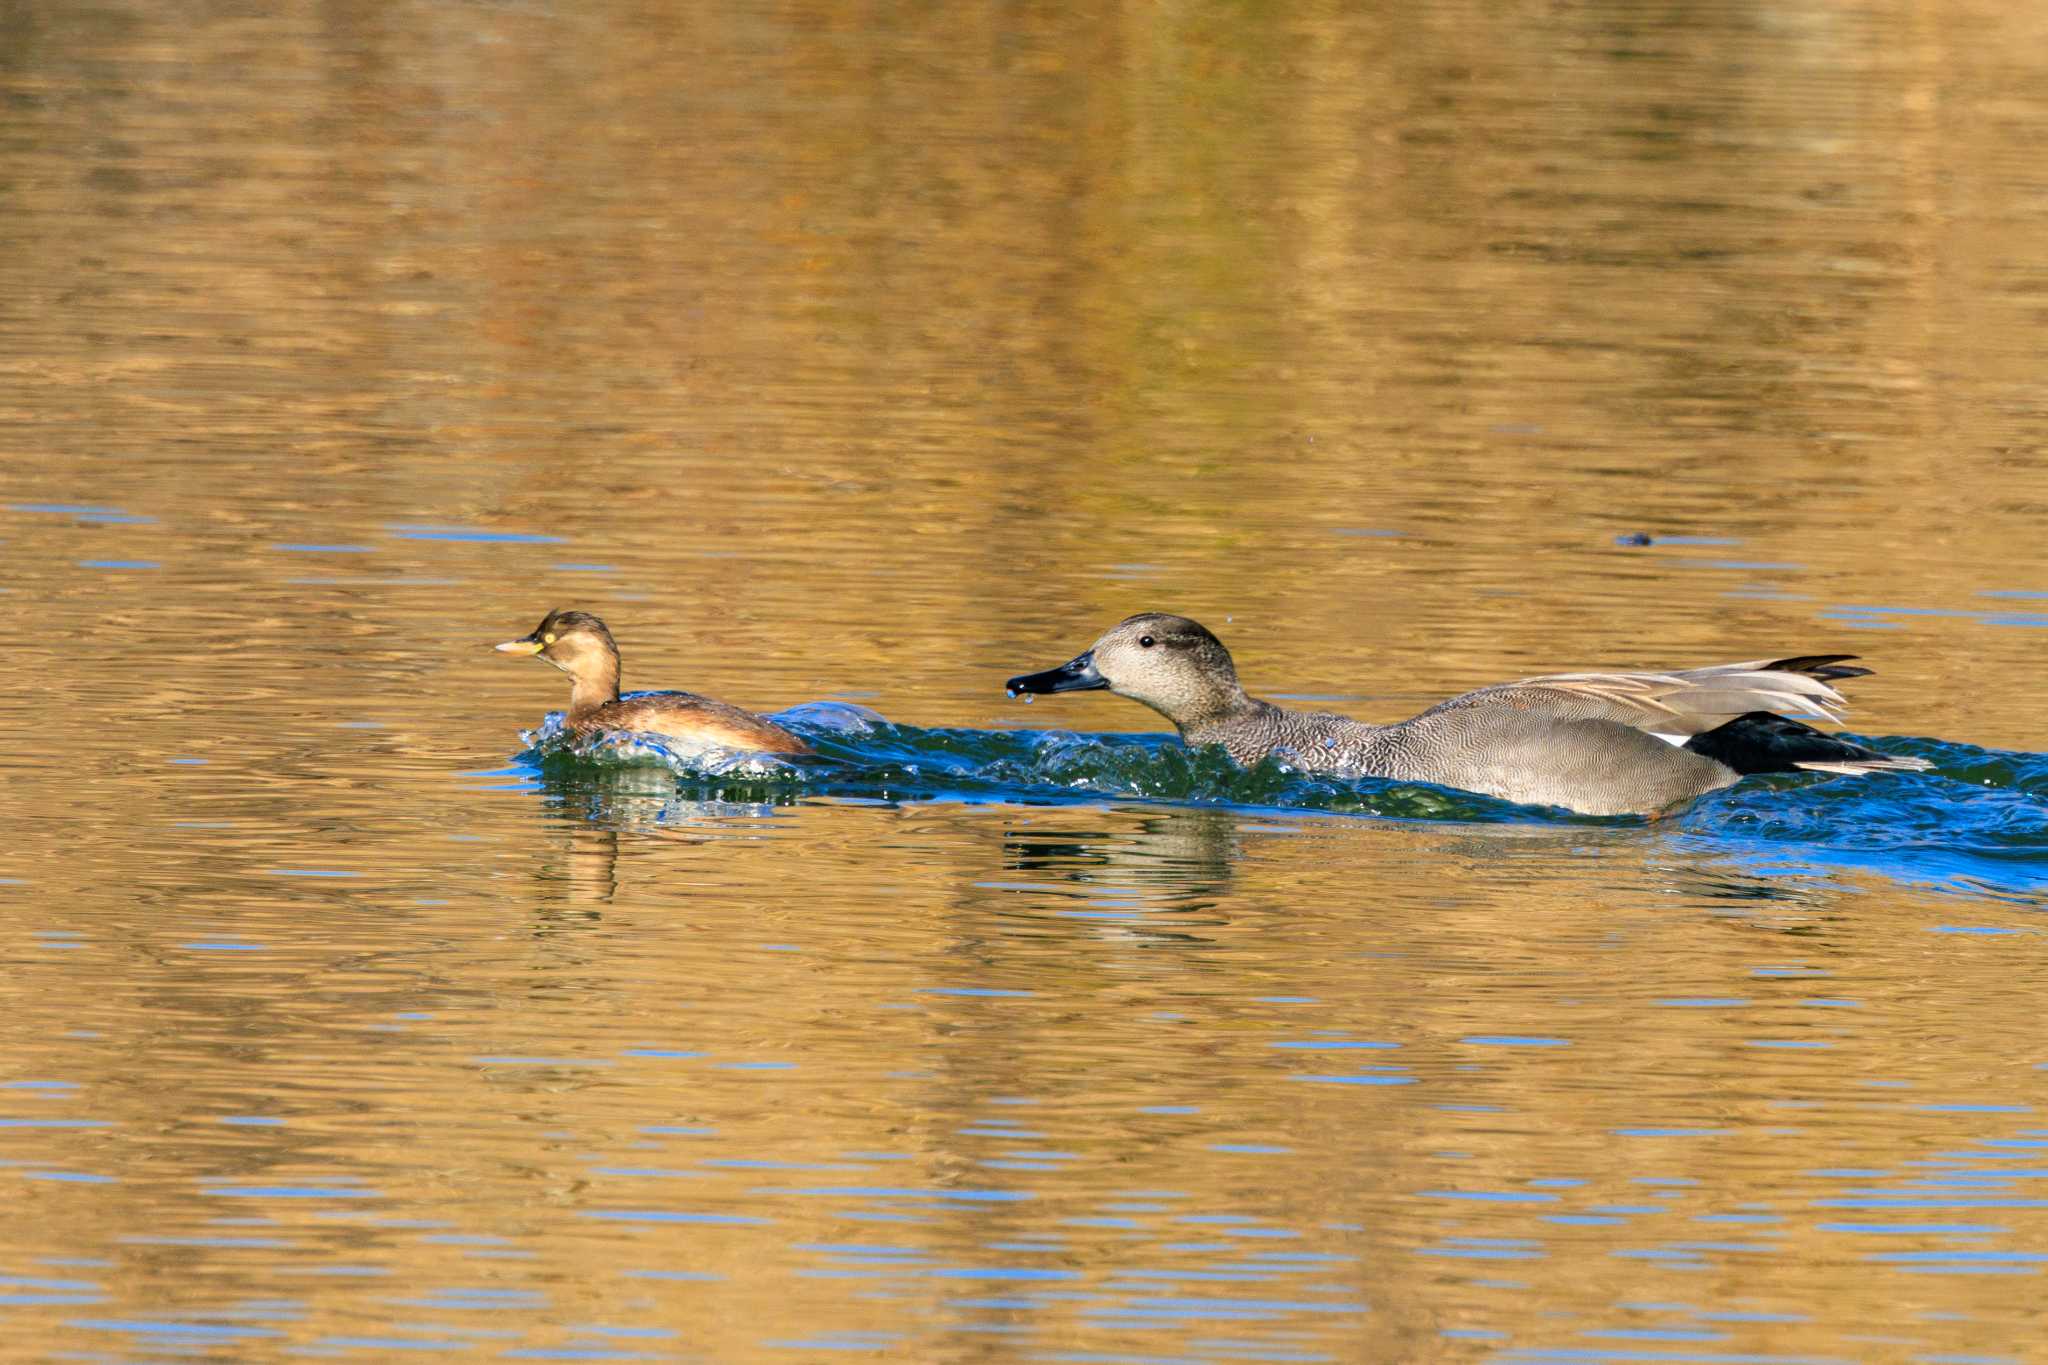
(1760, 742)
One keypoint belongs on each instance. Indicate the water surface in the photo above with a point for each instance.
(871, 356)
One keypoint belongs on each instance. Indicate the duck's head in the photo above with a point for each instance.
(575, 642)
(1172, 664)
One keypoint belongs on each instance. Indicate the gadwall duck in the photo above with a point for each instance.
(578, 643)
(1597, 743)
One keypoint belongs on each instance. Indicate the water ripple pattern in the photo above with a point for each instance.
(849, 362)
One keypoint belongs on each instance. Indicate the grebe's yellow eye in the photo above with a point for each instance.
(551, 638)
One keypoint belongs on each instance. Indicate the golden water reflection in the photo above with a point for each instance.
(880, 353)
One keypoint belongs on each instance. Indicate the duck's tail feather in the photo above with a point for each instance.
(1760, 742)
(1824, 667)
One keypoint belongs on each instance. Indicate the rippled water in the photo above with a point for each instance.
(1978, 822)
(851, 361)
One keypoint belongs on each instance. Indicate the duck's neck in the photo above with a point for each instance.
(1318, 739)
(1227, 710)
(588, 691)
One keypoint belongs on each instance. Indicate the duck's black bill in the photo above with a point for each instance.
(1075, 675)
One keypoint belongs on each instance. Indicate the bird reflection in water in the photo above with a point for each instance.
(598, 806)
(1124, 860)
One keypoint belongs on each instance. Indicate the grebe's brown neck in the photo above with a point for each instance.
(591, 660)
(593, 685)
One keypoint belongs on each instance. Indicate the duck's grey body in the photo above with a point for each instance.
(1598, 743)
(1592, 766)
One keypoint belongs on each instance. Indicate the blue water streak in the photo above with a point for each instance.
(1976, 823)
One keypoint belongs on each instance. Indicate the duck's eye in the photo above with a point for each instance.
(549, 639)
(1146, 642)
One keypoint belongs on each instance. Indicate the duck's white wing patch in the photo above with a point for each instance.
(1678, 740)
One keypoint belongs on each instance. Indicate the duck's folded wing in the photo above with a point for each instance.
(1682, 703)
